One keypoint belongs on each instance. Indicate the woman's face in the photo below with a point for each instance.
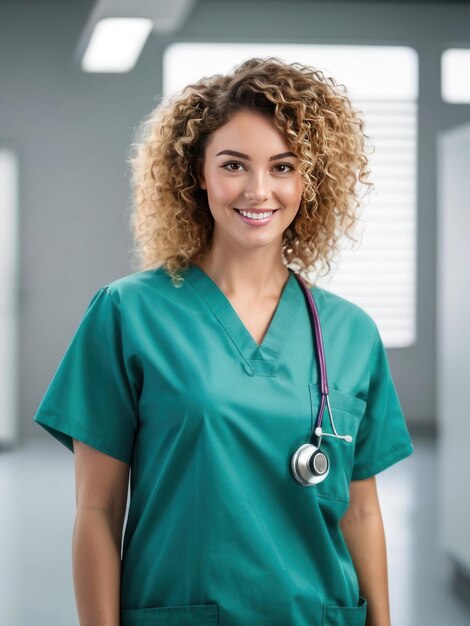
(252, 181)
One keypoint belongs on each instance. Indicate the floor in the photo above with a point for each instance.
(37, 492)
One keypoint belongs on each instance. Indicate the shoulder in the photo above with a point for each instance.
(132, 294)
(344, 315)
(142, 284)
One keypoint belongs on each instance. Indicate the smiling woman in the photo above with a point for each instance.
(316, 125)
(263, 188)
(205, 372)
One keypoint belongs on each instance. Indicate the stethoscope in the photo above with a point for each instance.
(309, 464)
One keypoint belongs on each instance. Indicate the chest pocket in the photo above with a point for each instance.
(347, 414)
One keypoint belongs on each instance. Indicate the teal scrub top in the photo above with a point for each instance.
(219, 532)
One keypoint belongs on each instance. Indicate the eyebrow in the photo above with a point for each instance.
(240, 155)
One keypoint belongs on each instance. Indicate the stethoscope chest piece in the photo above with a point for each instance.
(309, 465)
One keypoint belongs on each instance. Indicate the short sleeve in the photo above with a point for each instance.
(383, 438)
(90, 397)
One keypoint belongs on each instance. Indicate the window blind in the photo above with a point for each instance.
(379, 272)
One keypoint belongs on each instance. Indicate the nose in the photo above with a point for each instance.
(257, 187)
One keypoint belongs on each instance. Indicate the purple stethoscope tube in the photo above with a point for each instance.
(320, 352)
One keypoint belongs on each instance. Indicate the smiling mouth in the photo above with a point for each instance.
(257, 215)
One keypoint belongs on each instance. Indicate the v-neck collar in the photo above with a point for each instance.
(268, 352)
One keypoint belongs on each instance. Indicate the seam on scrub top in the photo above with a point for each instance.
(398, 454)
(131, 388)
(312, 419)
(337, 500)
(223, 328)
(67, 429)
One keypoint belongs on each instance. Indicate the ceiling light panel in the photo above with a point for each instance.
(115, 44)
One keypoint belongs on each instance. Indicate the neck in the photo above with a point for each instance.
(247, 276)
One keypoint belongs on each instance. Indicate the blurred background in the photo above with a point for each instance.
(76, 78)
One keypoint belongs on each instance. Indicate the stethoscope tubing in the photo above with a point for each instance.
(320, 351)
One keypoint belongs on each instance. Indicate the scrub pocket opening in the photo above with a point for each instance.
(198, 614)
(348, 411)
(345, 615)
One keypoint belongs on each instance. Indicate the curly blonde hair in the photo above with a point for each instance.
(171, 221)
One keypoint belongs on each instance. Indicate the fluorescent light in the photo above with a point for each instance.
(455, 70)
(115, 44)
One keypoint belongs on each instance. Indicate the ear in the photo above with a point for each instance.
(200, 174)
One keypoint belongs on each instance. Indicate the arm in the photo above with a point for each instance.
(363, 532)
(101, 497)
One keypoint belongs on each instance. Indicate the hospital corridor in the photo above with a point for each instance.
(304, 158)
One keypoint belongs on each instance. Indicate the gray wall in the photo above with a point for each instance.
(72, 130)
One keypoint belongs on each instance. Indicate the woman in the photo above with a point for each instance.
(200, 371)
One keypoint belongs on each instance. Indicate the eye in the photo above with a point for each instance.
(283, 168)
(232, 166)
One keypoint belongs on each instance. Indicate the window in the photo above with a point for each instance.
(382, 82)
(455, 69)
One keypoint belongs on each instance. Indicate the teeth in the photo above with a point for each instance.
(256, 216)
